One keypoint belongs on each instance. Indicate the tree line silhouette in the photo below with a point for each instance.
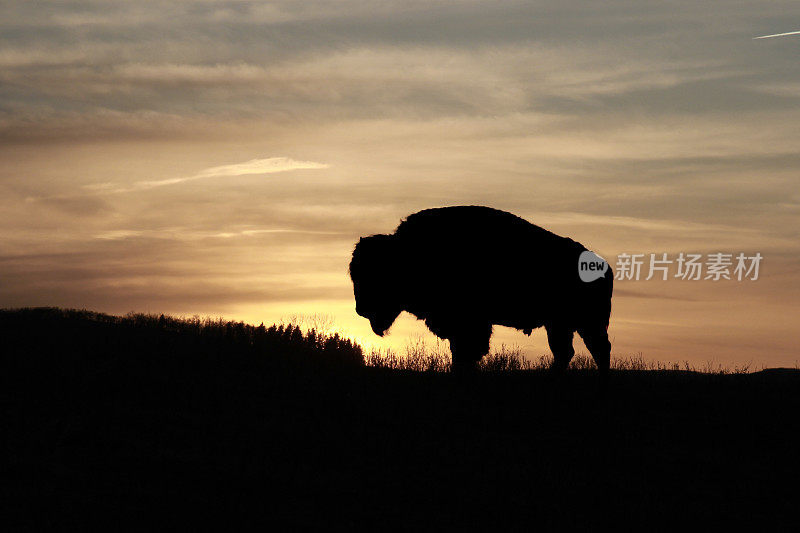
(63, 334)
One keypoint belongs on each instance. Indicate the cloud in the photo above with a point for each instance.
(651, 295)
(777, 35)
(180, 234)
(269, 165)
(423, 60)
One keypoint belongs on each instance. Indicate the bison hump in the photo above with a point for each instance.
(477, 230)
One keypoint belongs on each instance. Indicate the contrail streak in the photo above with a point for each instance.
(777, 35)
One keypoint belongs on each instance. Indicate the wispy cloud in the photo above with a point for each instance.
(777, 35)
(268, 165)
(182, 234)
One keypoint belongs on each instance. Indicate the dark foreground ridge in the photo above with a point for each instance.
(148, 421)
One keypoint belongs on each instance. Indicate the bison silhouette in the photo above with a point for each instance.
(463, 269)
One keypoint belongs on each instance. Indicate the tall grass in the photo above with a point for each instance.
(420, 356)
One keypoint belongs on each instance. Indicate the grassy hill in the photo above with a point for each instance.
(146, 421)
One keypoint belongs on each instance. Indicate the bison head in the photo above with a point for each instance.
(374, 270)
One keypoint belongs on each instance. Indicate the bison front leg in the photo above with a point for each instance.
(560, 340)
(468, 345)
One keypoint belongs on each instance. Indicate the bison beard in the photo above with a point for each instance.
(464, 269)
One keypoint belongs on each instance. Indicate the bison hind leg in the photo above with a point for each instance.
(596, 340)
(560, 340)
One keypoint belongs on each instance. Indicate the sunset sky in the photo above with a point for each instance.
(222, 158)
